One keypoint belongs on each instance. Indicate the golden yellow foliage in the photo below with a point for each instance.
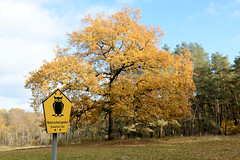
(2, 124)
(113, 67)
(230, 127)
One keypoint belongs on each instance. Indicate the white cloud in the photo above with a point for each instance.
(237, 38)
(8, 103)
(228, 9)
(193, 17)
(126, 1)
(214, 9)
(235, 14)
(39, 2)
(235, 2)
(93, 10)
(28, 35)
(27, 20)
(21, 54)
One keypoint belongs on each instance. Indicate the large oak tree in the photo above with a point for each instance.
(113, 67)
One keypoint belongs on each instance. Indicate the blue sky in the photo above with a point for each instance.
(30, 30)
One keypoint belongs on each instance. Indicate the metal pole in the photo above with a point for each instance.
(54, 147)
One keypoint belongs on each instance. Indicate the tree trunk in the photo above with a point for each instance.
(161, 131)
(225, 118)
(110, 126)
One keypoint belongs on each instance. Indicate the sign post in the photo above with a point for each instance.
(54, 146)
(57, 108)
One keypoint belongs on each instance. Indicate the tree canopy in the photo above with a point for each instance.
(113, 68)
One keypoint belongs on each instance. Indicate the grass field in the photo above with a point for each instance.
(216, 148)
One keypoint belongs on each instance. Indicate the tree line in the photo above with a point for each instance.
(20, 128)
(215, 106)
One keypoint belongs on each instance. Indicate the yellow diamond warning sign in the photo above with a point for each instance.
(57, 108)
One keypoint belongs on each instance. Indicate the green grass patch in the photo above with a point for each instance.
(220, 147)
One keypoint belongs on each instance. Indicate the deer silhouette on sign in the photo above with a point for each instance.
(58, 106)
